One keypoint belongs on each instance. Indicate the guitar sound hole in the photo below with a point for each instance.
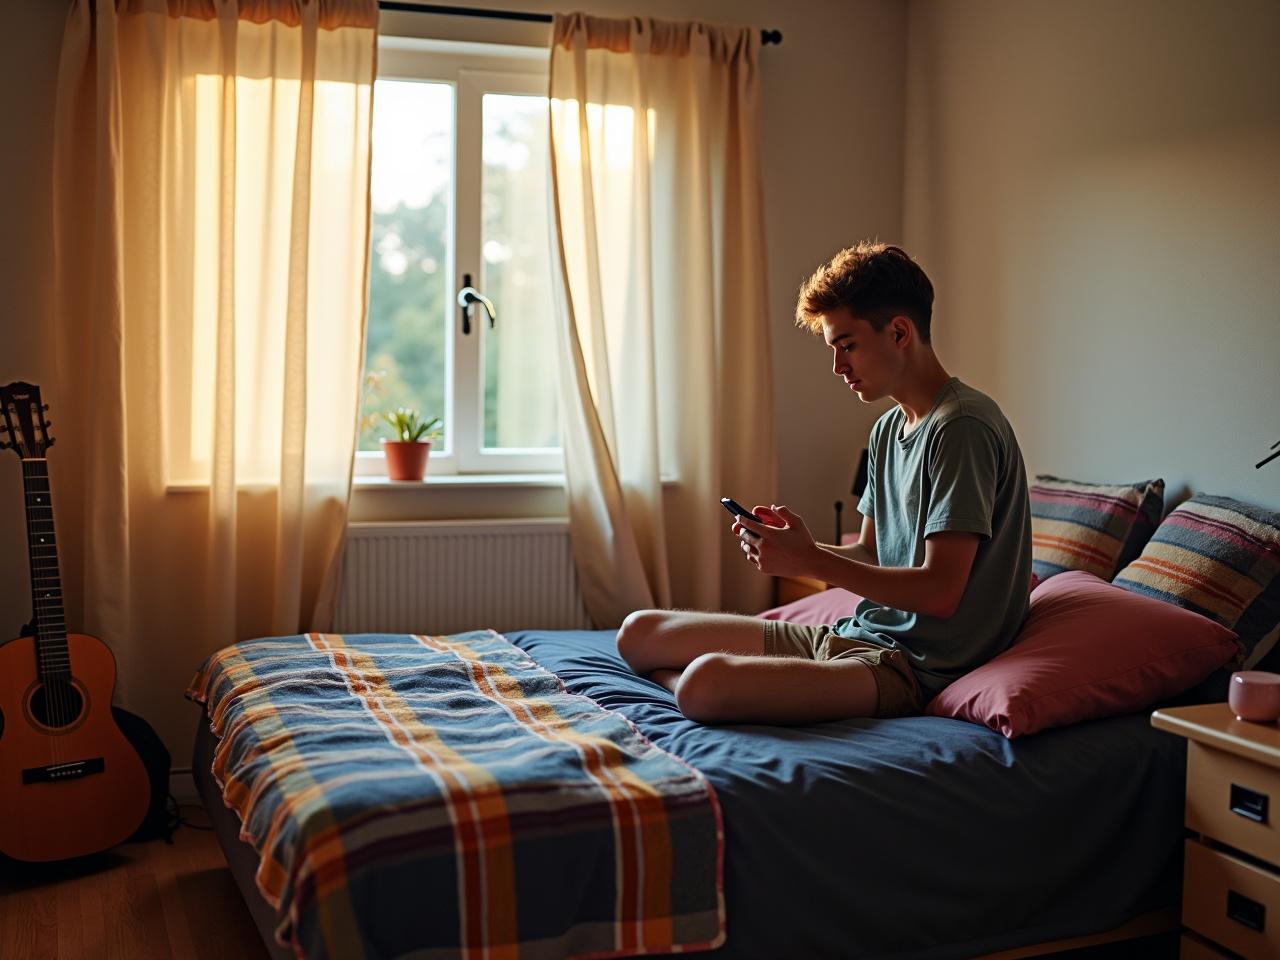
(56, 704)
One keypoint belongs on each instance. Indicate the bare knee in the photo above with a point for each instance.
(637, 634)
(704, 692)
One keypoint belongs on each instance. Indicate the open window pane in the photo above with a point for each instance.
(407, 359)
(519, 353)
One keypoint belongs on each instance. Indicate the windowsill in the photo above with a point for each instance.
(455, 480)
(482, 481)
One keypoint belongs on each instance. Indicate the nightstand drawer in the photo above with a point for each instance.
(1231, 902)
(1233, 800)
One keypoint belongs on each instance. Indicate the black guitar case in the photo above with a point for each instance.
(159, 821)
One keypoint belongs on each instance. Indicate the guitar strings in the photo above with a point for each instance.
(35, 596)
(50, 694)
(56, 702)
(62, 686)
(53, 693)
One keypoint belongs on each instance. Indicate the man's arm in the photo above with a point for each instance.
(864, 551)
(935, 588)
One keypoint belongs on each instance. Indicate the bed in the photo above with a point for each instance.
(911, 838)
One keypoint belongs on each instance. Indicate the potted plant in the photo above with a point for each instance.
(407, 453)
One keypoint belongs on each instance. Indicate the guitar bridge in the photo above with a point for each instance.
(72, 770)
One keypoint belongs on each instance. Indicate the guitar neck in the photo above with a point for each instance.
(46, 583)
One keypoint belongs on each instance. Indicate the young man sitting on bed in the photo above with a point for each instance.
(943, 560)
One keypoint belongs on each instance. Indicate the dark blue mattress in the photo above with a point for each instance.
(915, 837)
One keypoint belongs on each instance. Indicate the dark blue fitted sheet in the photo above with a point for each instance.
(915, 837)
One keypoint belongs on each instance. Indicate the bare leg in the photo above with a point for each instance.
(671, 639)
(723, 688)
(715, 665)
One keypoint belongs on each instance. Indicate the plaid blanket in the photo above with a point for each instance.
(446, 797)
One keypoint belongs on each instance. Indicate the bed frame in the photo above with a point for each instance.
(243, 861)
(241, 858)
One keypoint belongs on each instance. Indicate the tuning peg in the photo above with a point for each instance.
(44, 406)
(52, 441)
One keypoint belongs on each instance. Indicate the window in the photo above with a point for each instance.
(460, 190)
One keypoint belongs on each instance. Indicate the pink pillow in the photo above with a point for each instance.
(828, 606)
(1087, 650)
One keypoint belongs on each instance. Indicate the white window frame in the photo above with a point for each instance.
(472, 69)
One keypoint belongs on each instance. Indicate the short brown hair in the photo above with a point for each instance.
(876, 281)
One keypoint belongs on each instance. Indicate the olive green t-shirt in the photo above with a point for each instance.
(959, 469)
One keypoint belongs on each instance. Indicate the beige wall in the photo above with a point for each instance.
(1095, 189)
(28, 74)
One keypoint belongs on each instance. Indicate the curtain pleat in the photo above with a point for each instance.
(665, 385)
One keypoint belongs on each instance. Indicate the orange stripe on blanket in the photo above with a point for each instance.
(240, 796)
(484, 851)
(644, 840)
(507, 690)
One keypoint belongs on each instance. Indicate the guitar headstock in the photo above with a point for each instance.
(22, 419)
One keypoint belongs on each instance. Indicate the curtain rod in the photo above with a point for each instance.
(766, 36)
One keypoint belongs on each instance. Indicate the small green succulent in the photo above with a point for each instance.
(410, 428)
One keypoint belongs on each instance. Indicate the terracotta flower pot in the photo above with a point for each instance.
(406, 459)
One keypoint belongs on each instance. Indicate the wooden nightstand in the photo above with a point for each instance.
(786, 589)
(1231, 880)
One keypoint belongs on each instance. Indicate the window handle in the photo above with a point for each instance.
(469, 295)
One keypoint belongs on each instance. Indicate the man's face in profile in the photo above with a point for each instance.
(869, 361)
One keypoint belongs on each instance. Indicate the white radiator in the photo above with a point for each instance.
(449, 576)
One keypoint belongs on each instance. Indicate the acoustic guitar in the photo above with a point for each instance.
(70, 783)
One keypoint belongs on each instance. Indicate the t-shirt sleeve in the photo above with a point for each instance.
(867, 503)
(964, 459)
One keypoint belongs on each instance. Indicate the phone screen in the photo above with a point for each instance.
(737, 509)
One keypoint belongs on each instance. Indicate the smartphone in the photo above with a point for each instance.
(737, 509)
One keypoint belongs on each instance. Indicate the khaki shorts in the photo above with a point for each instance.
(898, 693)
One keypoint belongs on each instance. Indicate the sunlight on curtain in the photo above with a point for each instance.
(664, 344)
(611, 136)
(266, 116)
(211, 248)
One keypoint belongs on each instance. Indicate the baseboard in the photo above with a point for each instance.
(182, 785)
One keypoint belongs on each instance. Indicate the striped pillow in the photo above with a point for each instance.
(1097, 528)
(1219, 557)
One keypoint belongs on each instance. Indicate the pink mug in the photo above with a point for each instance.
(1255, 695)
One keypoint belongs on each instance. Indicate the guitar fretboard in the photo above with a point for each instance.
(46, 583)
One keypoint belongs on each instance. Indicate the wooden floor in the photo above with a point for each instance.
(136, 902)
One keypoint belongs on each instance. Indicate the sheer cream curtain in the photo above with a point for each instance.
(666, 384)
(211, 246)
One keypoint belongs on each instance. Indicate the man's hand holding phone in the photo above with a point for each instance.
(738, 510)
(773, 538)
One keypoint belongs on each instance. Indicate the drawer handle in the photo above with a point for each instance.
(1249, 804)
(1249, 913)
